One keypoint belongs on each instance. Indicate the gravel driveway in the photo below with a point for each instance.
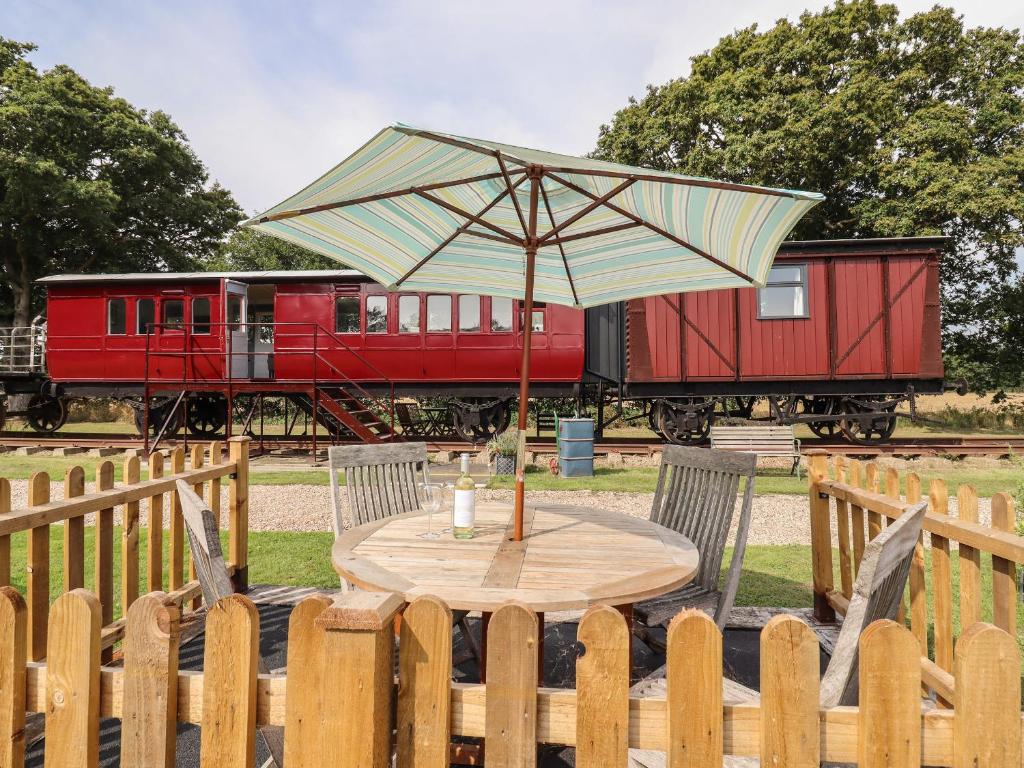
(776, 518)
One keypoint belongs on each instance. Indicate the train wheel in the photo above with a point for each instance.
(207, 415)
(825, 406)
(652, 420)
(158, 414)
(46, 413)
(686, 421)
(478, 420)
(868, 423)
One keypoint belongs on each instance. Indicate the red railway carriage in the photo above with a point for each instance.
(842, 333)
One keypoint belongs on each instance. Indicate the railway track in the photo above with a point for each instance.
(907, 447)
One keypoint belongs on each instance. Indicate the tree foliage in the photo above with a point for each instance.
(909, 126)
(250, 250)
(89, 183)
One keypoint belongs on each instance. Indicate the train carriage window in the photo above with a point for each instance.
(501, 315)
(538, 316)
(469, 314)
(439, 314)
(376, 314)
(145, 315)
(201, 315)
(408, 314)
(785, 293)
(234, 311)
(117, 318)
(346, 314)
(173, 314)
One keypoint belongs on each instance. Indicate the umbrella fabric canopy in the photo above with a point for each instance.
(419, 210)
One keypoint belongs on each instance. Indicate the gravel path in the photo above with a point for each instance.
(776, 518)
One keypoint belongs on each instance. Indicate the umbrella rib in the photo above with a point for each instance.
(515, 200)
(691, 182)
(565, 261)
(473, 218)
(654, 228)
(464, 228)
(597, 203)
(491, 236)
(594, 233)
(382, 196)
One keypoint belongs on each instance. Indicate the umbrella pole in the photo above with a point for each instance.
(524, 369)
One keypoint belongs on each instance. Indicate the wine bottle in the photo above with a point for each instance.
(464, 508)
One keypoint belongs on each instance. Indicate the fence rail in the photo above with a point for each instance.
(335, 700)
(207, 471)
(853, 499)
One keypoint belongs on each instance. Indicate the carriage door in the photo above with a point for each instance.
(239, 361)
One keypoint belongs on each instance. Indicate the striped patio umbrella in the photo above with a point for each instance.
(420, 210)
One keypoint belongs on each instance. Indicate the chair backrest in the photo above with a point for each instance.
(204, 543)
(877, 594)
(380, 480)
(696, 496)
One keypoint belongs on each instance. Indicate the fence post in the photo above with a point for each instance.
(303, 687)
(970, 560)
(846, 567)
(176, 552)
(857, 517)
(602, 689)
(238, 512)
(155, 528)
(130, 539)
(196, 462)
(986, 720)
(942, 580)
(38, 567)
(821, 537)
(1004, 572)
(104, 552)
(790, 690)
(12, 678)
(918, 583)
(357, 679)
(74, 533)
(424, 684)
(213, 499)
(5, 541)
(510, 734)
(150, 695)
(73, 682)
(230, 663)
(889, 718)
(693, 719)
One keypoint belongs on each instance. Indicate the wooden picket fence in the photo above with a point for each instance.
(861, 508)
(160, 495)
(336, 698)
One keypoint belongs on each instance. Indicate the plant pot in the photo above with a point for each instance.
(504, 465)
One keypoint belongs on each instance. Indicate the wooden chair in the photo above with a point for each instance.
(877, 594)
(215, 581)
(381, 481)
(696, 496)
(410, 419)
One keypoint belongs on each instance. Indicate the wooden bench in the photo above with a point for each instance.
(768, 440)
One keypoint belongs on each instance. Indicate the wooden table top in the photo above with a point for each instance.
(570, 558)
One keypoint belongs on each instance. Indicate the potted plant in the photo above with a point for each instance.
(504, 447)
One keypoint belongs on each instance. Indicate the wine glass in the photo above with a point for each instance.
(431, 498)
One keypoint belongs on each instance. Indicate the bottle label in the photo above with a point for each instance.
(464, 508)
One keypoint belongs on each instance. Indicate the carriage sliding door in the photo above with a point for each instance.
(239, 361)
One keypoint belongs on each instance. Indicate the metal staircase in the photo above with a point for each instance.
(341, 413)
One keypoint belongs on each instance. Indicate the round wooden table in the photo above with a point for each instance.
(570, 558)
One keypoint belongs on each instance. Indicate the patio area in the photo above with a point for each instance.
(177, 682)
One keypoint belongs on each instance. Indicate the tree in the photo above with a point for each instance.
(88, 183)
(250, 250)
(909, 127)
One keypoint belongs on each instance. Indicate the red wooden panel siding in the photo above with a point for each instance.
(907, 282)
(654, 353)
(786, 349)
(710, 335)
(858, 303)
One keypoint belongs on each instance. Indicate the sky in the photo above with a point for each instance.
(271, 95)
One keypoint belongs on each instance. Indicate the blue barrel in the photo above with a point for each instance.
(576, 447)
